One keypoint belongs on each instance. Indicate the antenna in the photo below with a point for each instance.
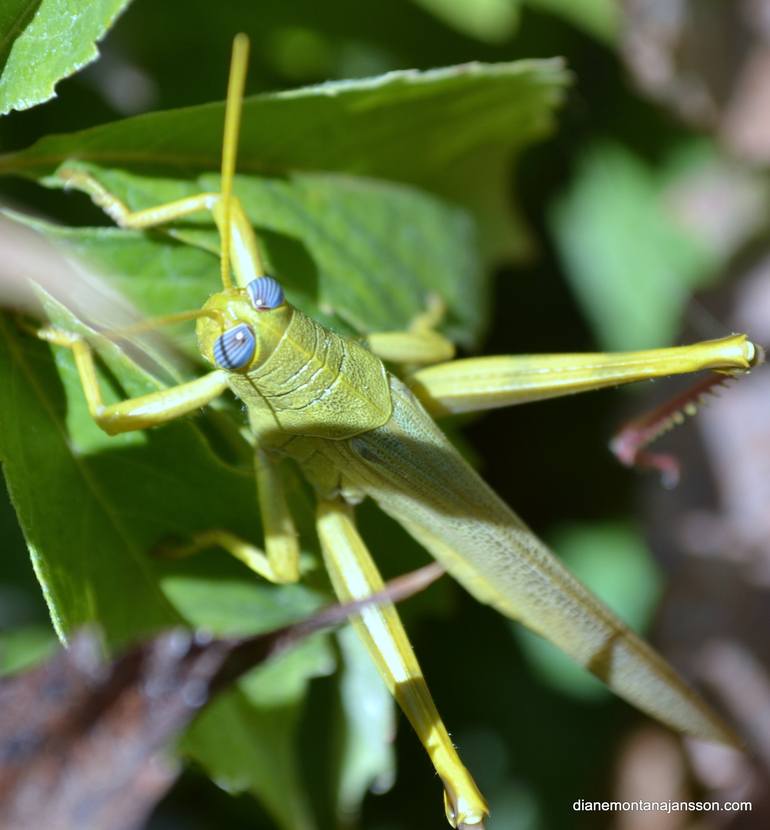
(235, 85)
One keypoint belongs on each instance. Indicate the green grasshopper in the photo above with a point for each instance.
(356, 430)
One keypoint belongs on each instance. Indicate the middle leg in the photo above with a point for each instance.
(279, 562)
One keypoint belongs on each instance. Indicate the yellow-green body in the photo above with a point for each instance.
(304, 379)
(355, 429)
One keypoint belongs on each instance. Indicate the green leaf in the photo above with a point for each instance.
(612, 559)
(452, 131)
(357, 254)
(14, 18)
(631, 261)
(43, 41)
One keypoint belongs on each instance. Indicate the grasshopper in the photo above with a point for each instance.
(358, 430)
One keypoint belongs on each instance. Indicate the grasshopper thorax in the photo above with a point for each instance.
(239, 328)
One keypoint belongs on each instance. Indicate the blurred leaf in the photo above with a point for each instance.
(25, 646)
(631, 262)
(244, 748)
(366, 753)
(495, 21)
(600, 18)
(247, 742)
(516, 808)
(43, 41)
(490, 20)
(614, 562)
(453, 131)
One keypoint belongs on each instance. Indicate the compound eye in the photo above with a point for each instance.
(265, 293)
(235, 348)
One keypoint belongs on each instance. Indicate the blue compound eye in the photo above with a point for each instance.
(265, 293)
(234, 349)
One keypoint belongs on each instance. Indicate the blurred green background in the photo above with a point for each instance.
(643, 195)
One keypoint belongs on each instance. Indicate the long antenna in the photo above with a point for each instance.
(238, 65)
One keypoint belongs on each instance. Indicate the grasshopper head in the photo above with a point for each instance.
(243, 325)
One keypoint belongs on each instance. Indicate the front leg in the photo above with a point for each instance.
(355, 576)
(135, 413)
(281, 561)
